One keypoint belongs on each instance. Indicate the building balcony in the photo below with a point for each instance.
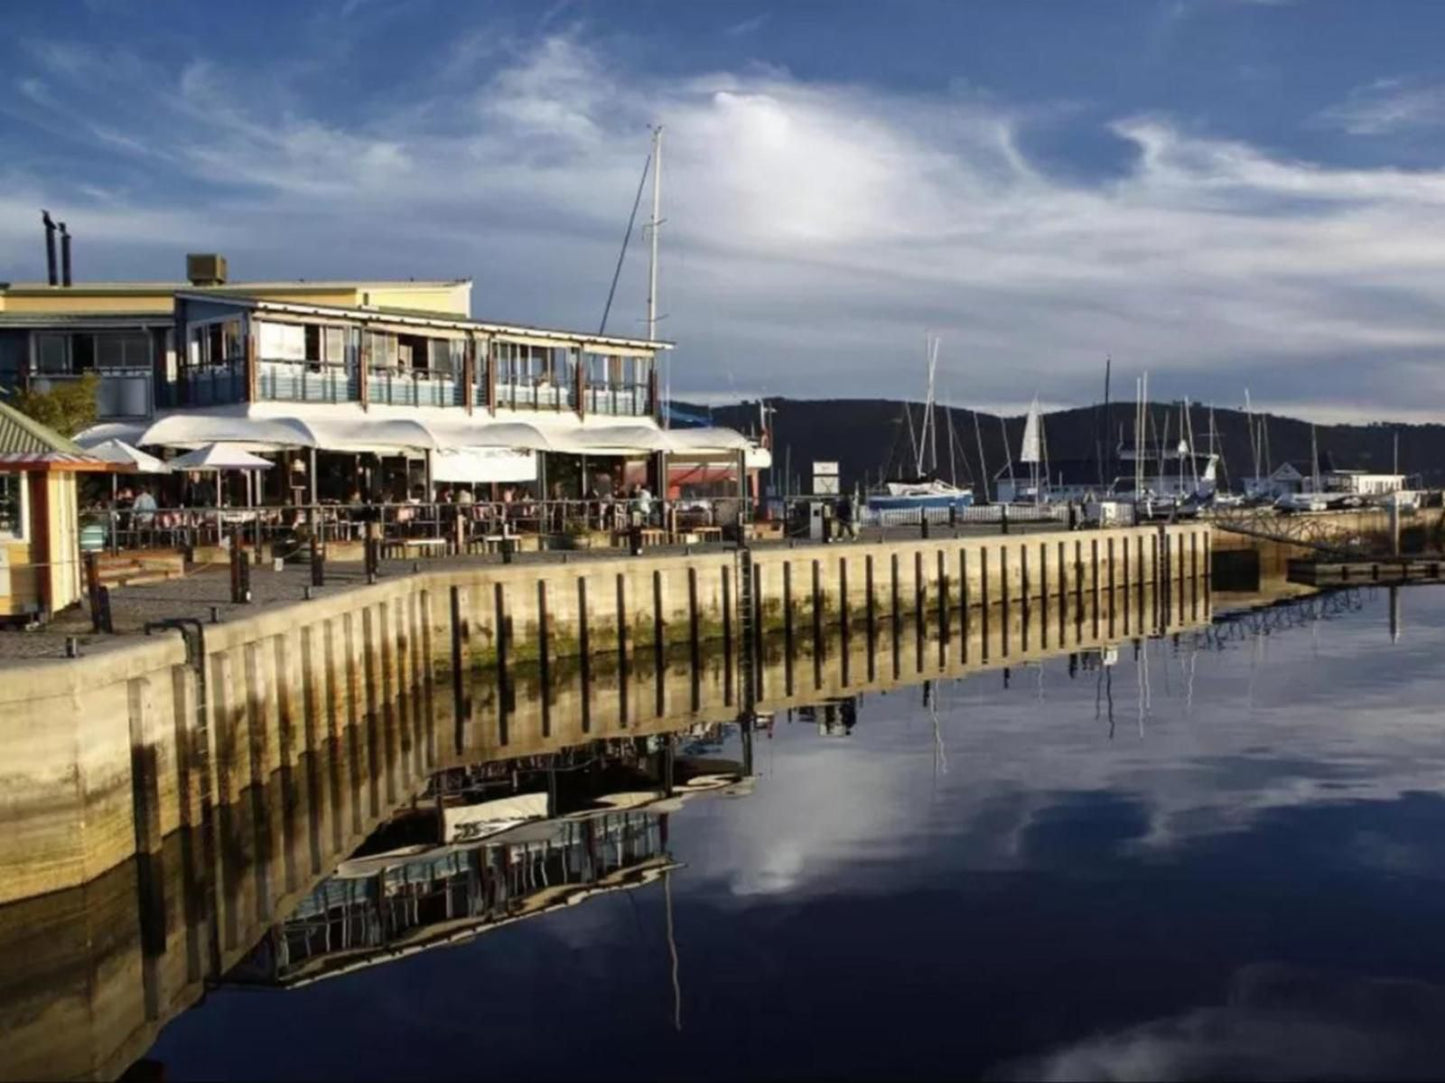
(307, 381)
(542, 396)
(121, 394)
(630, 400)
(400, 387)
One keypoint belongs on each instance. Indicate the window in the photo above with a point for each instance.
(52, 353)
(379, 350)
(122, 350)
(12, 505)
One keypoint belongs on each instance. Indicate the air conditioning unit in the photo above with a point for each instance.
(205, 269)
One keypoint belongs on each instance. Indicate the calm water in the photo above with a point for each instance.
(1220, 855)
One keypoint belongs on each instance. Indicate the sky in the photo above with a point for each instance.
(1228, 194)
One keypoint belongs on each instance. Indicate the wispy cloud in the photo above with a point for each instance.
(1389, 106)
(813, 228)
(748, 26)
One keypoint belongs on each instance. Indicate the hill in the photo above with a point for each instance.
(870, 439)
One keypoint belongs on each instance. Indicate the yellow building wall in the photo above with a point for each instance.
(63, 570)
(61, 301)
(453, 299)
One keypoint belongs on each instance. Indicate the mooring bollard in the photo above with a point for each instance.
(240, 570)
(318, 563)
(93, 589)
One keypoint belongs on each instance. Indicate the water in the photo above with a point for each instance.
(1217, 854)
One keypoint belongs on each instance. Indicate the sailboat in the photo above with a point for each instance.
(1031, 453)
(923, 489)
(1165, 481)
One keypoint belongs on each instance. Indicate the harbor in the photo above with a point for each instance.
(721, 541)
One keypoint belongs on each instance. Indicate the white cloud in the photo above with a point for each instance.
(814, 230)
(1388, 107)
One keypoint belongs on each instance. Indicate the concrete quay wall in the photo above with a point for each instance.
(108, 755)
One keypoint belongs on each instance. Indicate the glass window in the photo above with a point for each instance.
(380, 350)
(12, 505)
(14, 355)
(122, 350)
(52, 353)
(231, 340)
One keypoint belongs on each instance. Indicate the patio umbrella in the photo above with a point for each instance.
(118, 451)
(123, 454)
(220, 457)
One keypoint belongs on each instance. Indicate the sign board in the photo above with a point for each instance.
(825, 479)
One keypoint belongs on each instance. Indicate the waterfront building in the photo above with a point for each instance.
(360, 388)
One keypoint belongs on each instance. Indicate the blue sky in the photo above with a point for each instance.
(1227, 193)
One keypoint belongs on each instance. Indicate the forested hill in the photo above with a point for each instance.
(870, 438)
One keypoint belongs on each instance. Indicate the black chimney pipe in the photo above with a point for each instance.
(64, 256)
(49, 247)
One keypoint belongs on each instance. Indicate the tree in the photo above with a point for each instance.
(68, 407)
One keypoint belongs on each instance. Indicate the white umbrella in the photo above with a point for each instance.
(220, 457)
(118, 451)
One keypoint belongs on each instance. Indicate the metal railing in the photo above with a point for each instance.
(418, 528)
(404, 387)
(308, 381)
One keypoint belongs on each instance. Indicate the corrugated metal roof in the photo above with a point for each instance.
(22, 435)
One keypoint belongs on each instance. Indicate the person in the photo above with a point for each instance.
(464, 496)
(644, 503)
(144, 509)
(843, 512)
(203, 493)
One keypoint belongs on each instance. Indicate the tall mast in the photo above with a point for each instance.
(1314, 460)
(652, 232)
(1101, 436)
(652, 267)
(982, 462)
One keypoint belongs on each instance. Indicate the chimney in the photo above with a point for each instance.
(49, 247)
(205, 269)
(64, 256)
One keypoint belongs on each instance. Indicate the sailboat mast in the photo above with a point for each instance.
(1008, 455)
(982, 462)
(652, 231)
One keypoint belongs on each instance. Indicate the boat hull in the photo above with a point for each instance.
(884, 502)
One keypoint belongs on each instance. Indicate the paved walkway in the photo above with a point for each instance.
(208, 589)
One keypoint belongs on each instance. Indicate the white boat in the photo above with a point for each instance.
(923, 489)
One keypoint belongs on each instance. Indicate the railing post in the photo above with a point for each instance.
(1003, 517)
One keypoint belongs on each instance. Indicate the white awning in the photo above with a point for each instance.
(707, 440)
(346, 427)
(192, 430)
(483, 465)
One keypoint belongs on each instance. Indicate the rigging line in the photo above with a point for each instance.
(631, 223)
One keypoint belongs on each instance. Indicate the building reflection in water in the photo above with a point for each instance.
(523, 796)
(487, 845)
